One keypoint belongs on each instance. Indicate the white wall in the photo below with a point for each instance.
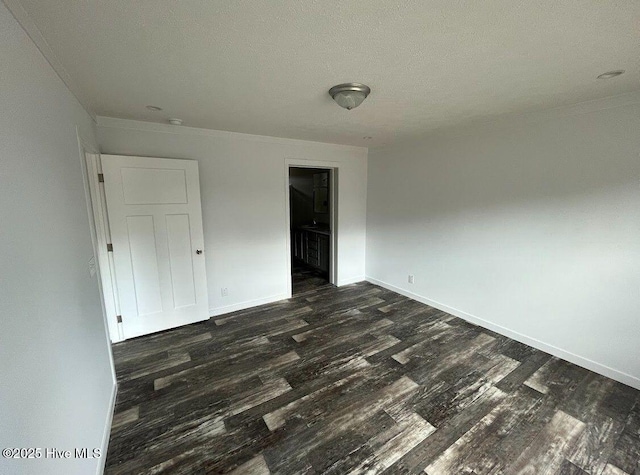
(55, 368)
(529, 225)
(243, 182)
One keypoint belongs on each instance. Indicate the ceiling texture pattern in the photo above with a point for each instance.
(264, 67)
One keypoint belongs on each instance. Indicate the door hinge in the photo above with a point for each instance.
(119, 318)
(101, 177)
(109, 247)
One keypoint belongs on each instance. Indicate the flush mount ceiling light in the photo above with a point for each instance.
(349, 95)
(611, 74)
(175, 121)
(154, 108)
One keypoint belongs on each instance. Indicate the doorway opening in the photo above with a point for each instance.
(312, 231)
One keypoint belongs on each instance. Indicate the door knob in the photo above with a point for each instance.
(198, 251)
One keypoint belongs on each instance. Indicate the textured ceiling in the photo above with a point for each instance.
(264, 67)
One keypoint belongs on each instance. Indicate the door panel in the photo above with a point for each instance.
(151, 186)
(180, 259)
(144, 261)
(154, 211)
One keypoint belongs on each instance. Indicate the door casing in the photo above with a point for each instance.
(334, 170)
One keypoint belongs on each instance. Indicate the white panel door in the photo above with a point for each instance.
(155, 217)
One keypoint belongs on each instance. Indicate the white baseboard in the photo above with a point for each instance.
(540, 345)
(214, 312)
(351, 280)
(107, 429)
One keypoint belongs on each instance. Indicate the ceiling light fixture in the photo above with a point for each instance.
(611, 74)
(154, 108)
(349, 95)
(175, 121)
(367, 137)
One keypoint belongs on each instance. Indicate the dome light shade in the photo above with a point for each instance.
(349, 95)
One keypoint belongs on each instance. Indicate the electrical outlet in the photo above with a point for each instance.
(411, 279)
(224, 291)
(92, 267)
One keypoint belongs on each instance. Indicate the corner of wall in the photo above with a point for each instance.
(591, 365)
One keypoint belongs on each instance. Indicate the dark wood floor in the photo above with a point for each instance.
(359, 379)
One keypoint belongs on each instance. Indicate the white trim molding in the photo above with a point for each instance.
(351, 280)
(130, 124)
(334, 205)
(217, 311)
(527, 340)
(100, 230)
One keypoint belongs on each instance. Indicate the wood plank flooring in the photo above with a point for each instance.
(361, 380)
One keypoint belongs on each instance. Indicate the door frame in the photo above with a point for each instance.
(92, 165)
(86, 149)
(334, 171)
